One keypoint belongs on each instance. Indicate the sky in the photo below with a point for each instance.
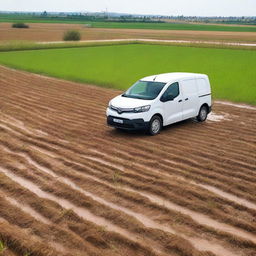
(158, 7)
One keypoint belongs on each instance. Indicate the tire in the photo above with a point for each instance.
(155, 125)
(202, 115)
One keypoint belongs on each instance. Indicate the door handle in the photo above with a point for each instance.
(180, 101)
(186, 99)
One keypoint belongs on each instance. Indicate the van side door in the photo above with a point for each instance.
(190, 98)
(172, 104)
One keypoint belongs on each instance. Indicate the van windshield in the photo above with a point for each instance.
(144, 90)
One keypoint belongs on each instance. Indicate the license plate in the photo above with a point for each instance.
(118, 121)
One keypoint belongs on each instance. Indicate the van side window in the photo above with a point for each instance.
(171, 92)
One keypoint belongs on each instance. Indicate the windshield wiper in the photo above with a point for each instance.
(135, 97)
(129, 96)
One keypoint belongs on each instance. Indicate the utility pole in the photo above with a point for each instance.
(107, 12)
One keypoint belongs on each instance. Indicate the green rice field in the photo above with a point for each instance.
(231, 72)
(172, 26)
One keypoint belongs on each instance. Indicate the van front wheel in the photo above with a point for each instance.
(155, 125)
(202, 115)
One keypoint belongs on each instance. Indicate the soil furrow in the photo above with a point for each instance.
(172, 194)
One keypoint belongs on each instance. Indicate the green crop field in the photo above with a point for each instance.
(125, 25)
(171, 26)
(232, 72)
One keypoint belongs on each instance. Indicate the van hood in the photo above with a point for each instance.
(125, 102)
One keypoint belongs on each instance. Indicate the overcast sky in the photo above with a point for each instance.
(164, 7)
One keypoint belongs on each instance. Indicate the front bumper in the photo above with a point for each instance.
(128, 124)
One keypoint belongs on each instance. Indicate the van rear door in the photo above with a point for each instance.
(190, 98)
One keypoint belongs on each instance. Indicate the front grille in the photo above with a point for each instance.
(122, 118)
(122, 110)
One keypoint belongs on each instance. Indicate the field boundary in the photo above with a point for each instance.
(30, 45)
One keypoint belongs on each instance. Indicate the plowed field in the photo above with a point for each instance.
(54, 32)
(70, 185)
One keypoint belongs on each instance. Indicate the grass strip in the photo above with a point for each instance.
(31, 45)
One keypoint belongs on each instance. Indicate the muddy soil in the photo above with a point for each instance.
(78, 187)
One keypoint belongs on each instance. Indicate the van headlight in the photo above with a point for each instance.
(142, 109)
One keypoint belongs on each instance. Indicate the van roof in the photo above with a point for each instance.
(167, 77)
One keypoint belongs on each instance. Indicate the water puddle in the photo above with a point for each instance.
(29, 210)
(34, 98)
(17, 123)
(20, 125)
(214, 190)
(95, 179)
(7, 150)
(235, 105)
(82, 212)
(102, 161)
(198, 217)
(97, 151)
(101, 221)
(38, 166)
(17, 164)
(45, 152)
(32, 162)
(229, 196)
(140, 217)
(10, 130)
(143, 219)
(157, 172)
(2, 220)
(14, 120)
(217, 118)
(171, 161)
(204, 245)
(47, 108)
(58, 247)
(63, 141)
(40, 133)
(147, 222)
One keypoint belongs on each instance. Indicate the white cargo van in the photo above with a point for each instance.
(160, 100)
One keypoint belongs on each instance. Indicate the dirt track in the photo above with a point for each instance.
(158, 41)
(54, 32)
(70, 185)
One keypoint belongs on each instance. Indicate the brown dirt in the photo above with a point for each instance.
(54, 32)
(78, 187)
